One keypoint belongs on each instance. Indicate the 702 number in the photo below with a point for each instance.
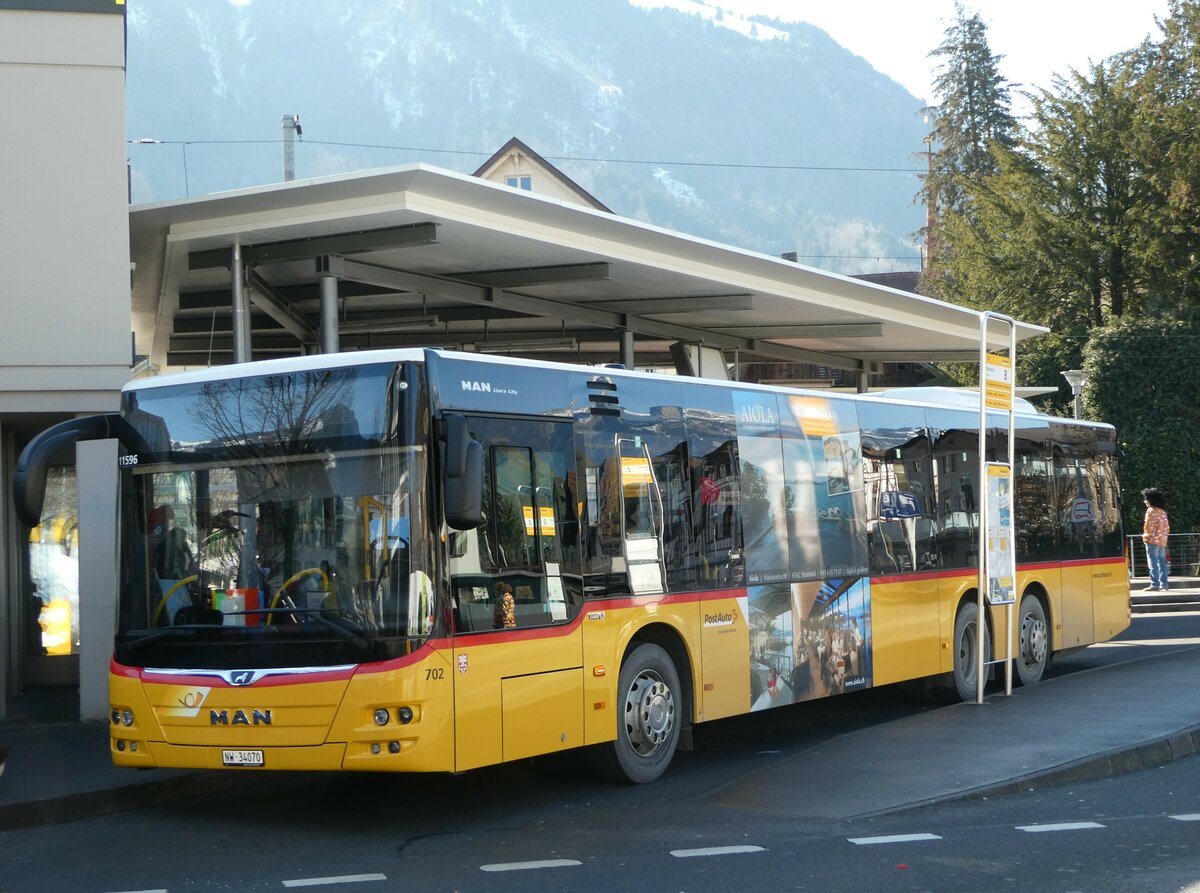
(435, 673)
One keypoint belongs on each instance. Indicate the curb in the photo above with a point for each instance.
(1148, 755)
(87, 804)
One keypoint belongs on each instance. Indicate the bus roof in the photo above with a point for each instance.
(956, 398)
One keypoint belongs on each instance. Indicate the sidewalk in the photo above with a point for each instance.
(58, 769)
(1090, 724)
(1183, 595)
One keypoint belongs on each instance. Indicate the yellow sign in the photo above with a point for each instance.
(546, 517)
(998, 382)
(635, 470)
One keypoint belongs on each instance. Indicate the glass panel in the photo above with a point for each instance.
(956, 465)
(826, 517)
(295, 548)
(1033, 494)
(298, 413)
(898, 478)
(1078, 492)
(54, 568)
(1108, 513)
(514, 519)
(714, 550)
(520, 568)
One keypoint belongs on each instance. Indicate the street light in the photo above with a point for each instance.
(1075, 378)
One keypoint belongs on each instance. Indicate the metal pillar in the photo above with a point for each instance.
(627, 348)
(241, 308)
(329, 314)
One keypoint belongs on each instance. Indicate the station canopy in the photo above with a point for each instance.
(422, 256)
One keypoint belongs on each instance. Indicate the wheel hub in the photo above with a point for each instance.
(966, 652)
(649, 713)
(1033, 640)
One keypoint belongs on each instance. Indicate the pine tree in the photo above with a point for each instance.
(974, 114)
(1168, 111)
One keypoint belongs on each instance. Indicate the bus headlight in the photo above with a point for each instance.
(405, 715)
(127, 716)
(382, 717)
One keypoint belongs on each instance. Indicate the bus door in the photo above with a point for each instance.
(518, 683)
(642, 518)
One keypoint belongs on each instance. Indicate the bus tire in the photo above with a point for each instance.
(1033, 641)
(965, 656)
(649, 699)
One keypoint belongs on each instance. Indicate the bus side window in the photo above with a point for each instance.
(516, 569)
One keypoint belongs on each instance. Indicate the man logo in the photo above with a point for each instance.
(241, 677)
(484, 386)
(239, 718)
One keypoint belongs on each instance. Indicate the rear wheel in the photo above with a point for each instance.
(1033, 642)
(966, 654)
(648, 704)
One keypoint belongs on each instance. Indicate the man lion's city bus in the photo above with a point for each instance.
(424, 561)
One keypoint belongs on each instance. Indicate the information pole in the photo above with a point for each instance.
(997, 580)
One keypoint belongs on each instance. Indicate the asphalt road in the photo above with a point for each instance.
(549, 824)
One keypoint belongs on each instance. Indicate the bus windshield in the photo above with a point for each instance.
(288, 541)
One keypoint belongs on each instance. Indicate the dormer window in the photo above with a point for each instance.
(524, 181)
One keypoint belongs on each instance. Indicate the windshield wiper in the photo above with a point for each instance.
(166, 631)
(347, 629)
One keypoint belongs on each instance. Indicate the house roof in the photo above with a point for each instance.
(516, 145)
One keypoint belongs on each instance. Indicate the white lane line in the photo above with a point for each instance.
(716, 851)
(1190, 817)
(1060, 826)
(892, 838)
(342, 879)
(526, 866)
(159, 890)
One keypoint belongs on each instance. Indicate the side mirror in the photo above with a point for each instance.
(29, 477)
(463, 470)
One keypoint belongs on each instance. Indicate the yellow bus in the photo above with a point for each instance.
(425, 561)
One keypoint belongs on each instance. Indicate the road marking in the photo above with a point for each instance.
(716, 851)
(159, 890)
(1060, 826)
(892, 838)
(1190, 817)
(526, 866)
(342, 879)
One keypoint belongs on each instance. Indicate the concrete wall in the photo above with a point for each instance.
(64, 229)
(64, 288)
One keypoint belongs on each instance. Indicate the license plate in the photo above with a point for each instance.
(242, 757)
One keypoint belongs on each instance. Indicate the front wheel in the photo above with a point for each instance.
(648, 704)
(1033, 643)
(966, 655)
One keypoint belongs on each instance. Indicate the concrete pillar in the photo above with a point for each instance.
(96, 474)
(330, 340)
(291, 126)
(864, 381)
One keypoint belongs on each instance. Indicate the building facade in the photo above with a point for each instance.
(65, 343)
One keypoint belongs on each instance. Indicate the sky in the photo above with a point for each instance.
(1038, 38)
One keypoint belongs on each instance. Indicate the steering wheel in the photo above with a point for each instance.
(162, 602)
(299, 575)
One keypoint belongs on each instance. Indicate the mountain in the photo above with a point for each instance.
(749, 132)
